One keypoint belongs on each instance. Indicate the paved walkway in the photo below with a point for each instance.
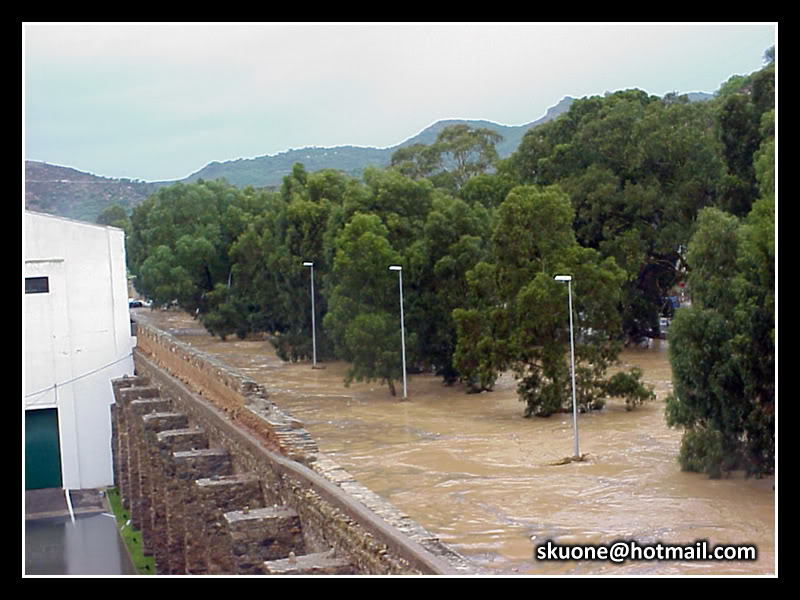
(52, 502)
(54, 545)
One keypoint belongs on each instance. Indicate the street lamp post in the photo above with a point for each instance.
(399, 270)
(313, 317)
(568, 279)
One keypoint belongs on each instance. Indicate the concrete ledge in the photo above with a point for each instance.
(321, 563)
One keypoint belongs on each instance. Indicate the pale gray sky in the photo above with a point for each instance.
(160, 101)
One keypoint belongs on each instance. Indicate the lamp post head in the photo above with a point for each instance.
(308, 264)
(563, 278)
(395, 268)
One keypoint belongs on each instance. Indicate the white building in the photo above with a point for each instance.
(77, 338)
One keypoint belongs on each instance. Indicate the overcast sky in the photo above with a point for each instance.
(160, 101)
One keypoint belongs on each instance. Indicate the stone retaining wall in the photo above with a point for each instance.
(199, 447)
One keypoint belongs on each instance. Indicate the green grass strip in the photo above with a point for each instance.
(144, 565)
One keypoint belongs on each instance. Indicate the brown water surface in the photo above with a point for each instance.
(473, 471)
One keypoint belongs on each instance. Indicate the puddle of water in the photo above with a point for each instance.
(89, 546)
(473, 471)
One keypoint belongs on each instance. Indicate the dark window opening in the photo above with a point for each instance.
(37, 285)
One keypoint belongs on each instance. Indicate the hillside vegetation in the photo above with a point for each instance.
(71, 193)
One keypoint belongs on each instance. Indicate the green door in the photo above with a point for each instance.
(42, 453)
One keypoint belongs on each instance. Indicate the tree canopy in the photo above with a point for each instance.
(631, 194)
(723, 350)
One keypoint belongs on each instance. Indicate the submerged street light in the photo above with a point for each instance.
(568, 279)
(399, 270)
(313, 323)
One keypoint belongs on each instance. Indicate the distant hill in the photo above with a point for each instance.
(699, 96)
(267, 171)
(71, 193)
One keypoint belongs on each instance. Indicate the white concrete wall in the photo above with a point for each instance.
(77, 337)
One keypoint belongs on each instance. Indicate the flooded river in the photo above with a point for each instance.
(474, 472)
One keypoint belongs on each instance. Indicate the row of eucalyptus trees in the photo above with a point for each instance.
(630, 193)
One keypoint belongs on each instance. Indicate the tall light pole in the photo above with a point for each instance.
(399, 270)
(313, 321)
(568, 279)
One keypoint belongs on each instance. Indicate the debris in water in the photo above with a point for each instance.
(570, 459)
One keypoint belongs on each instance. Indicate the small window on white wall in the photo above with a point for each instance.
(37, 285)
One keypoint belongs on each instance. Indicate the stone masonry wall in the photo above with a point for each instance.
(221, 481)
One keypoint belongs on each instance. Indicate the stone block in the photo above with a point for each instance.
(208, 542)
(166, 443)
(127, 381)
(181, 440)
(263, 534)
(181, 499)
(203, 463)
(322, 563)
(129, 394)
(145, 406)
(164, 421)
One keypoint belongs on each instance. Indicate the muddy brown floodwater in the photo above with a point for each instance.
(473, 471)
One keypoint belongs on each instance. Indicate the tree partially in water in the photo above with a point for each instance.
(362, 308)
(722, 350)
(609, 192)
(517, 316)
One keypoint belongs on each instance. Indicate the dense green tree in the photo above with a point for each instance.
(610, 192)
(459, 153)
(532, 162)
(363, 307)
(254, 280)
(197, 223)
(452, 242)
(269, 284)
(399, 201)
(416, 161)
(136, 243)
(722, 350)
(740, 113)
(637, 170)
(470, 151)
(486, 189)
(163, 279)
(733, 85)
(294, 183)
(739, 133)
(764, 159)
(226, 313)
(518, 318)
(115, 216)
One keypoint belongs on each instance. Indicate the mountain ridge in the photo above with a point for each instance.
(266, 171)
(69, 192)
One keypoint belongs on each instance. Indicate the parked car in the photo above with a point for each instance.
(133, 303)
